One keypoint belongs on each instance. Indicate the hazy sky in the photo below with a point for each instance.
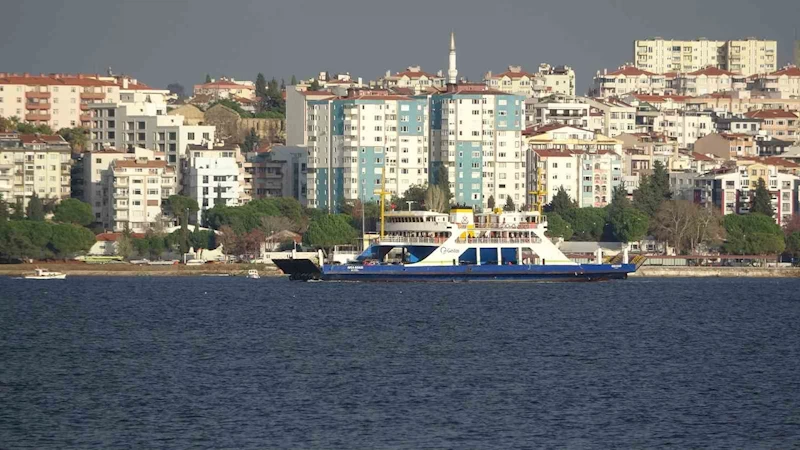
(181, 40)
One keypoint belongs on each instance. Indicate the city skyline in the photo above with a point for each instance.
(147, 39)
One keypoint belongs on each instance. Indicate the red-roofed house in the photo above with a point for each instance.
(226, 88)
(548, 80)
(785, 81)
(413, 77)
(778, 123)
(627, 79)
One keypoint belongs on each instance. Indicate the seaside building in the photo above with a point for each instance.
(353, 139)
(548, 80)
(142, 124)
(34, 164)
(96, 167)
(747, 57)
(730, 189)
(214, 175)
(135, 192)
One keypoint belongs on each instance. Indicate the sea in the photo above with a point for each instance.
(234, 363)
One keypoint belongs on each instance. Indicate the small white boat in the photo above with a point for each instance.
(253, 274)
(44, 274)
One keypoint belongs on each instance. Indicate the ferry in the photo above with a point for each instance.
(460, 246)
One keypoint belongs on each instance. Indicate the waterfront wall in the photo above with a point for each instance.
(717, 272)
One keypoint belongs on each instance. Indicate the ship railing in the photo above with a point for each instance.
(504, 226)
(532, 240)
(411, 240)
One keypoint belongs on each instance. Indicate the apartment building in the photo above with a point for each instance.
(777, 123)
(617, 116)
(214, 175)
(642, 150)
(297, 112)
(34, 164)
(708, 80)
(547, 81)
(354, 140)
(685, 126)
(264, 176)
(294, 174)
(226, 88)
(413, 78)
(96, 166)
(557, 108)
(747, 57)
(123, 125)
(135, 194)
(785, 82)
(628, 79)
(476, 134)
(741, 102)
(730, 189)
(727, 146)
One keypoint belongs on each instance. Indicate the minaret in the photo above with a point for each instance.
(452, 72)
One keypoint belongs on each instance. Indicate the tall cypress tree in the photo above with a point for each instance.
(762, 200)
(35, 208)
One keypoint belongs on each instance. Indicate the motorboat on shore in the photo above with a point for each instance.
(44, 274)
(460, 246)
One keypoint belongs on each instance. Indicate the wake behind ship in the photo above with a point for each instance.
(460, 246)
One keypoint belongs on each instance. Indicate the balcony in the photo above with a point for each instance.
(37, 116)
(40, 105)
(36, 94)
(86, 117)
(93, 96)
(84, 106)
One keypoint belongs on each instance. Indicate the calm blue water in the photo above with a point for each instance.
(135, 363)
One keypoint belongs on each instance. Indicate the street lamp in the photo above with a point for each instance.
(410, 202)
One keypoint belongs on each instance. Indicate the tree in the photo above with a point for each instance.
(653, 190)
(261, 86)
(329, 231)
(6, 125)
(4, 211)
(72, 210)
(293, 81)
(77, 137)
(35, 210)
(626, 223)
(125, 246)
(208, 78)
(436, 199)
(510, 207)
(177, 89)
(762, 200)
(416, 194)
(792, 225)
(706, 228)
(19, 210)
(442, 179)
(752, 234)
(229, 240)
(561, 202)
(673, 223)
(68, 239)
(181, 207)
(314, 86)
(587, 224)
(156, 244)
(558, 227)
(250, 141)
(793, 245)
(15, 244)
(274, 224)
(490, 202)
(660, 181)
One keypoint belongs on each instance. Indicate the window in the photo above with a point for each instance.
(152, 192)
(206, 136)
(191, 136)
(172, 135)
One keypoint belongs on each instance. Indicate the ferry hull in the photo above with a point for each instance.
(307, 270)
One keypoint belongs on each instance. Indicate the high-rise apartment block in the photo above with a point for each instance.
(34, 164)
(747, 57)
(136, 191)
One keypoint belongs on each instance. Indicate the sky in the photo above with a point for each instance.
(164, 41)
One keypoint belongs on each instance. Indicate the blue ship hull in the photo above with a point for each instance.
(307, 270)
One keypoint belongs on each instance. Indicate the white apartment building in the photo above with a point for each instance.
(547, 81)
(685, 126)
(413, 78)
(786, 82)
(63, 100)
(214, 175)
(628, 79)
(136, 191)
(34, 164)
(477, 136)
(556, 108)
(747, 57)
(145, 125)
(353, 141)
(588, 177)
(96, 166)
(618, 116)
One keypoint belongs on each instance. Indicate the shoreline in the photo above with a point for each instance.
(269, 270)
(130, 270)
